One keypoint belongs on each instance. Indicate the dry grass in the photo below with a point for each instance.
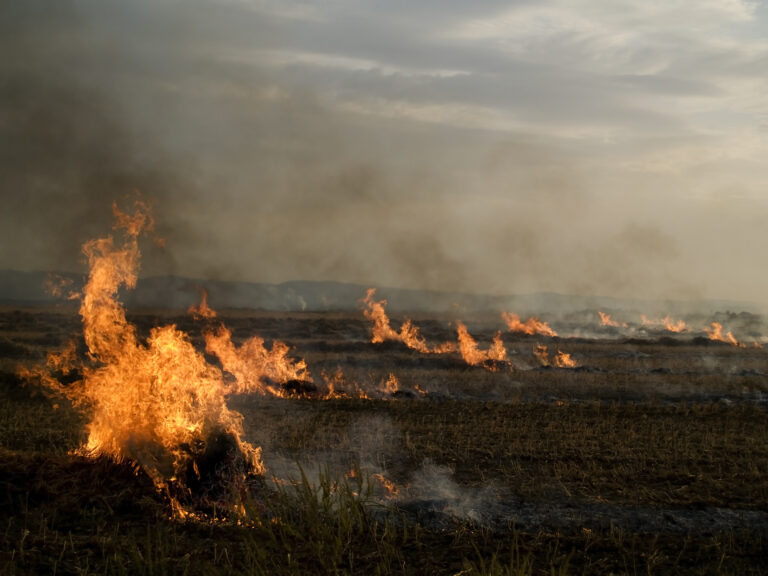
(574, 471)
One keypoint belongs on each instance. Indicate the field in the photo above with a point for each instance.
(648, 457)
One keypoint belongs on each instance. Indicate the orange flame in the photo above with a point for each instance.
(337, 387)
(531, 326)
(409, 333)
(677, 327)
(561, 359)
(392, 385)
(255, 368)
(390, 489)
(158, 403)
(606, 320)
(540, 351)
(202, 311)
(564, 360)
(474, 356)
(667, 322)
(716, 333)
(60, 286)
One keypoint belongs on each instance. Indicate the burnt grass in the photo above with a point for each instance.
(651, 457)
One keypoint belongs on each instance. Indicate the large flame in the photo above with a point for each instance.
(159, 403)
(531, 326)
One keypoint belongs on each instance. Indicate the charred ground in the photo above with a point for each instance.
(651, 456)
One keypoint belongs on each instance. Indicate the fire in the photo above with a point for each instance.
(409, 333)
(561, 359)
(392, 385)
(564, 360)
(540, 351)
(202, 311)
(677, 327)
(669, 324)
(606, 320)
(389, 488)
(474, 356)
(531, 326)
(60, 286)
(716, 333)
(160, 403)
(255, 368)
(337, 387)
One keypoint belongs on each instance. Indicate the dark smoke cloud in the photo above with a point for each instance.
(281, 142)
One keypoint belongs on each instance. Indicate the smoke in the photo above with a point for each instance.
(269, 167)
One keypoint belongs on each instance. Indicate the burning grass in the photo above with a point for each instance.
(607, 474)
(198, 443)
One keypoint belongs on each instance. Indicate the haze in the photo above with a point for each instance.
(493, 147)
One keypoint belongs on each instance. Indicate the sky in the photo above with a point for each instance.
(581, 146)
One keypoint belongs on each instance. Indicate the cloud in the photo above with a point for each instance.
(565, 146)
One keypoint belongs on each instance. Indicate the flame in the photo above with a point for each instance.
(561, 359)
(390, 489)
(202, 311)
(716, 333)
(392, 385)
(60, 286)
(409, 333)
(474, 356)
(677, 327)
(540, 351)
(159, 403)
(337, 387)
(667, 322)
(564, 360)
(606, 320)
(531, 326)
(255, 368)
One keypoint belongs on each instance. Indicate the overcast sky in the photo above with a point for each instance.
(614, 148)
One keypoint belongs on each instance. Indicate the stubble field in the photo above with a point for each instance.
(650, 456)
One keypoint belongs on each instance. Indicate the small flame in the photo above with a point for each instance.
(338, 388)
(531, 326)
(716, 333)
(606, 320)
(390, 489)
(392, 385)
(60, 286)
(677, 327)
(202, 311)
(564, 360)
(540, 351)
(382, 331)
(561, 359)
(472, 355)
(669, 324)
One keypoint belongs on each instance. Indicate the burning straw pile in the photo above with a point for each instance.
(160, 404)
